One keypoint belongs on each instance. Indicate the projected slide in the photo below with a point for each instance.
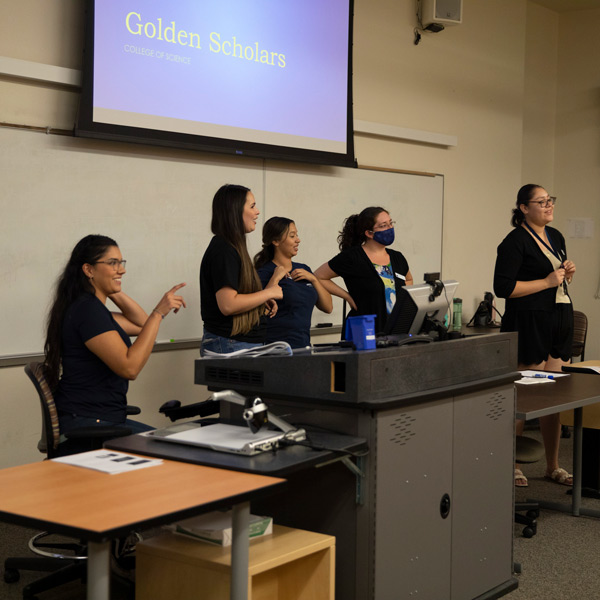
(263, 71)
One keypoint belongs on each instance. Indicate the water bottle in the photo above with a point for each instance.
(457, 314)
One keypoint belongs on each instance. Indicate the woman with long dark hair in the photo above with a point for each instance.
(89, 357)
(302, 290)
(532, 273)
(371, 270)
(233, 302)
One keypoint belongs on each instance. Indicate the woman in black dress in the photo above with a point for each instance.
(532, 272)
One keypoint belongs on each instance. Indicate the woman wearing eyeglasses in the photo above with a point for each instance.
(91, 345)
(371, 271)
(532, 273)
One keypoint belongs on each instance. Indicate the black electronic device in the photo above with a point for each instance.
(175, 411)
(387, 341)
(484, 315)
(420, 308)
(225, 437)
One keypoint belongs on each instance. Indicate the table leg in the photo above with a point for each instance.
(575, 508)
(577, 458)
(240, 549)
(98, 571)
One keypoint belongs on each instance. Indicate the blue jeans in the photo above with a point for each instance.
(223, 345)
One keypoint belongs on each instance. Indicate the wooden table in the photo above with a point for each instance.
(99, 507)
(572, 392)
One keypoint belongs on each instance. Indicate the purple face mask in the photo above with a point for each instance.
(385, 237)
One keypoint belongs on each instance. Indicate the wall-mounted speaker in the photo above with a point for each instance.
(446, 12)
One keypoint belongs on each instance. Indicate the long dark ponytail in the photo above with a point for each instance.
(228, 222)
(353, 230)
(274, 230)
(69, 286)
(524, 195)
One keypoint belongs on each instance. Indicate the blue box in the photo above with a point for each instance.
(361, 332)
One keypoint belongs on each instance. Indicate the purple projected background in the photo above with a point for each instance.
(141, 74)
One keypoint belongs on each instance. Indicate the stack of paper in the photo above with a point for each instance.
(534, 377)
(215, 527)
(108, 461)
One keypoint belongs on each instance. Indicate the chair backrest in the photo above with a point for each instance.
(580, 325)
(50, 432)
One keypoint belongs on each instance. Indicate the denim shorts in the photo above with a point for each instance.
(223, 345)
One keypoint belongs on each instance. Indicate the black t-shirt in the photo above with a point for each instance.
(291, 323)
(221, 266)
(88, 387)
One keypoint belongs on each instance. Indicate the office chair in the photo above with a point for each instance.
(527, 450)
(580, 326)
(65, 561)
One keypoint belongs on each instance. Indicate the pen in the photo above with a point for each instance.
(540, 376)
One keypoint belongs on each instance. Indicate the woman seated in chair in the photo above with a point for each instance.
(91, 344)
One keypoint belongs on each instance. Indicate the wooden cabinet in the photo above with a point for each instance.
(290, 564)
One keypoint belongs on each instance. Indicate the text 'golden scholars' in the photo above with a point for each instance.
(136, 26)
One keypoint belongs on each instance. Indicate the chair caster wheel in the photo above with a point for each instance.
(517, 568)
(528, 532)
(533, 514)
(11, 575)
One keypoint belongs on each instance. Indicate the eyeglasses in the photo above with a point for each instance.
(382, 226)
(545, 202)
(115, 263)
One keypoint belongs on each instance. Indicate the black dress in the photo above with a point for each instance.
(545, 327)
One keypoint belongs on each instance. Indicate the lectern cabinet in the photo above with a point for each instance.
(427, 513)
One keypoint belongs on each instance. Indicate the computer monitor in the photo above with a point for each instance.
(417, 303)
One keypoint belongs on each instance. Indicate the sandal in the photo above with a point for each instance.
(560, 476)
(520, 479)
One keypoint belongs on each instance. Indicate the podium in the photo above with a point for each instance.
(428, 512)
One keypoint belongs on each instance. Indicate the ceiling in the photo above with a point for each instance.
(568, 5)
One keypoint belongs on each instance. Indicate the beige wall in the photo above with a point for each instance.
(539, 105)
(577, 158)
(466, 81)
(515, 83)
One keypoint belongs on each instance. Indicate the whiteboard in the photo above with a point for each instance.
(318, 199)
(156, 203)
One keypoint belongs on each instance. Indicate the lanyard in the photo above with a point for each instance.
(550, 247)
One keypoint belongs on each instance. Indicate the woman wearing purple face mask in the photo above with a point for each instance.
(371, 271)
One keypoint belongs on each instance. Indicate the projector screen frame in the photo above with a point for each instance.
(85, 126)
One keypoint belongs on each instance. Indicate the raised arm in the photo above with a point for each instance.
(131, 316)
(506, 272)
(128, 362)
(324, 301)
(325, 274)
(525, 288)
(231, 302)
